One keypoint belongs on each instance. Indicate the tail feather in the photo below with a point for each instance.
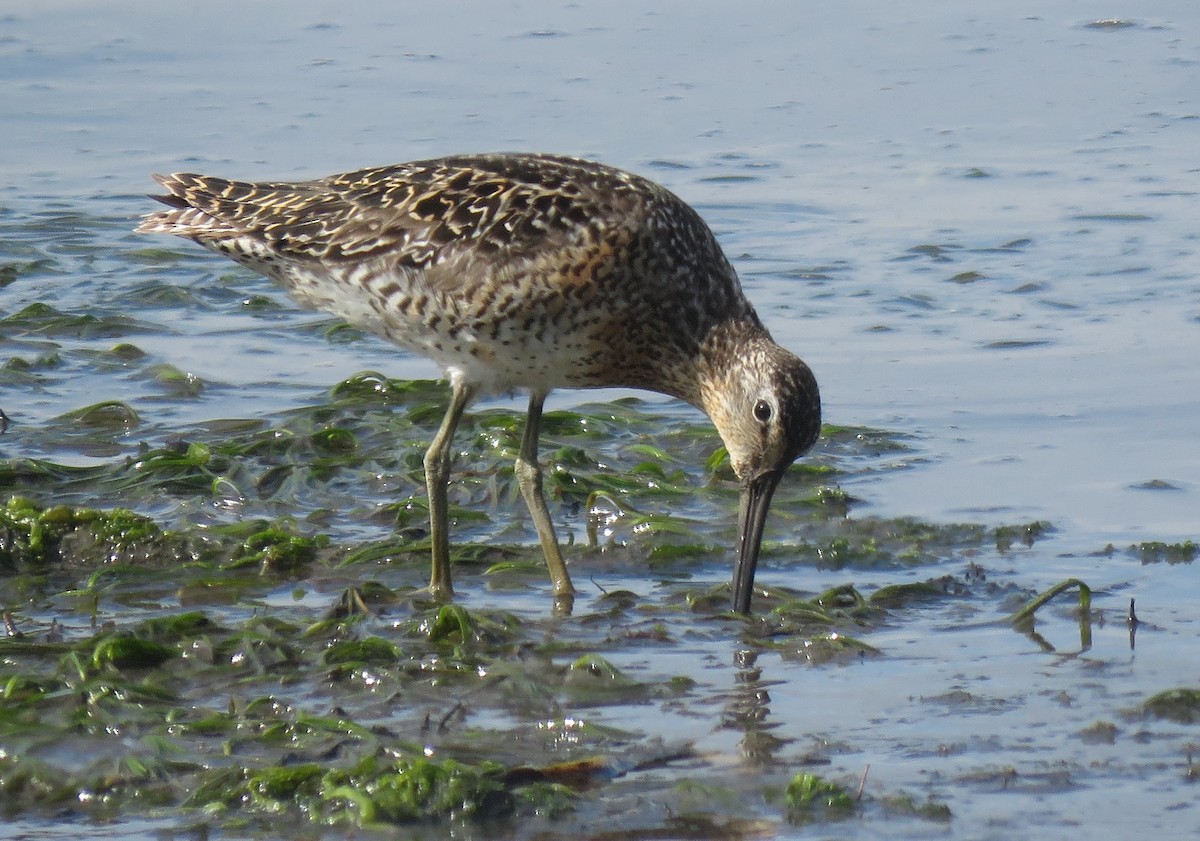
(187, 218)
(184, 221)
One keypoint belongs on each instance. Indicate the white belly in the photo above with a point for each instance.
(494, 355)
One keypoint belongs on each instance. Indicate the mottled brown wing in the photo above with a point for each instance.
(409, 215)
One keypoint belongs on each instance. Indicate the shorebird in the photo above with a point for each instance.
(526, 272)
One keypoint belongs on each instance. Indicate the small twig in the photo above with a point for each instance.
(10, 625)
(1133, 622)
(862, 785)
(445, 722)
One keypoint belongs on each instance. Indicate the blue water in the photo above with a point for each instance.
(976, 221)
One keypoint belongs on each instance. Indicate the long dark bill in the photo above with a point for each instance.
(752, 516)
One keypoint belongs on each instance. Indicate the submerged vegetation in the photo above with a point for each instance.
(227, 622)
(356, 710)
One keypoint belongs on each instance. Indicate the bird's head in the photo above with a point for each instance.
(767, 409)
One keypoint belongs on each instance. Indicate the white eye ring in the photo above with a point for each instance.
(762, 411)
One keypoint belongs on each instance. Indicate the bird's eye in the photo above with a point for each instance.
(762, 411)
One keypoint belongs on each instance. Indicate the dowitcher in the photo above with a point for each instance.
(531, 272)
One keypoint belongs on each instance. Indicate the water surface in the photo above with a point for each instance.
(977, 224)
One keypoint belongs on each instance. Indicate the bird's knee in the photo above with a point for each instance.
(437, 466)
(529, 474)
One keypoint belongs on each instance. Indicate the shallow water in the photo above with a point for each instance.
(978, 226)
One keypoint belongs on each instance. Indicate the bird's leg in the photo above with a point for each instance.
(437, 475)
(529, 477)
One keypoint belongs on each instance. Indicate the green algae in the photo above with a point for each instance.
(895, 596)
(1181, 705)
(106, 414)
(369, 650)
(813, 799)
(409, 789)
(1157, 551)
(176, 627)
(377, 776)
(274, 550)
(34, 534)
(43, 320)
(174, 382)
(1027, 611)
(246, 612)
(810, 798)
(1025, 535)
(906, 806)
